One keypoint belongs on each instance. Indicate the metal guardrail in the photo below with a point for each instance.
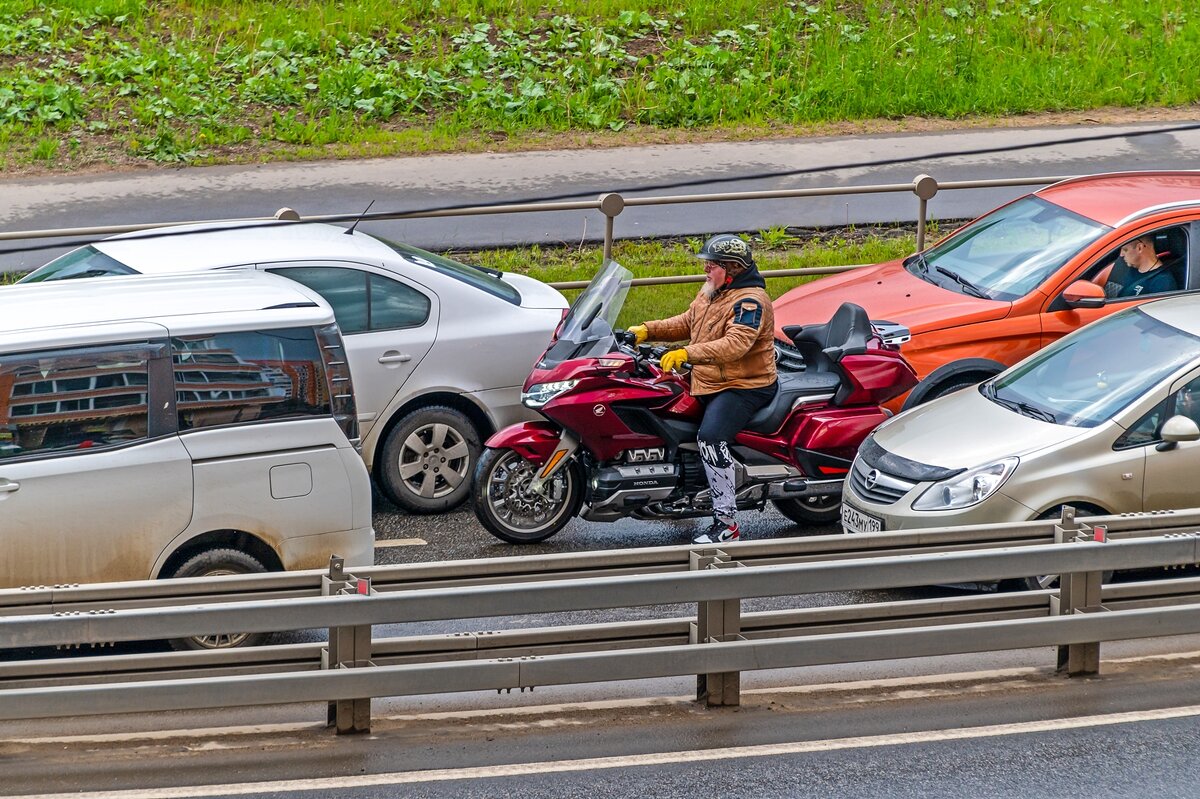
(720, 642)
(611, 204)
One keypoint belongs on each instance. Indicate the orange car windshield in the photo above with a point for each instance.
(1009, 252)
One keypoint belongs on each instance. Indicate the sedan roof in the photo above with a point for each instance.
(205, 245)
(1112, 198)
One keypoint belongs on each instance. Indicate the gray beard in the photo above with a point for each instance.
(709, 290)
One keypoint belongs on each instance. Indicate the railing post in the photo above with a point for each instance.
(925, 187)
(611, 204)
(349, 648)
(1078, 593)
(717, 620)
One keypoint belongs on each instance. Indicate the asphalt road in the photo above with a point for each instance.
(417, 183)
(1005, 728)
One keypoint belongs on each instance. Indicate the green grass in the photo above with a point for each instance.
(210, 80)
(657, 259)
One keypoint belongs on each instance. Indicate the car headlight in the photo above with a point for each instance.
(969, 488)
(538, 395)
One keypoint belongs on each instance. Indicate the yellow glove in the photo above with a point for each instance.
(672, 360)
(640, 333)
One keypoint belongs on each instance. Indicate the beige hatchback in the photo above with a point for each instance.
(1104, 419)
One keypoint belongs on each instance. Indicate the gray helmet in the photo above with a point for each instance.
(727, 247)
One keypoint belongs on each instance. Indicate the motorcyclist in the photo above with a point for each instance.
(729, 328)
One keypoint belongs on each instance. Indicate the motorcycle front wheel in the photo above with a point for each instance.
(507, 508)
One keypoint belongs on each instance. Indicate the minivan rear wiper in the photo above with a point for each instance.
(968, 286)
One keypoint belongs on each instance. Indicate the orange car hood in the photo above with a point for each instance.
(887, 292)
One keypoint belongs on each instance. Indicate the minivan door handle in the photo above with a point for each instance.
(7, 486)
(392, 356)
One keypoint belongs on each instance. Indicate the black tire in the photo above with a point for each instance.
(213, 563)
(824, 509)
(952, 385)
(427, 460)
(1043, 581)
(505, 508)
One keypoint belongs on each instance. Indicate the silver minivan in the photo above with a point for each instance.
(175, 426)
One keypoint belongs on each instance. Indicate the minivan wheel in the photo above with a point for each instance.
(428, 458)
(215, 563)
(825, 509)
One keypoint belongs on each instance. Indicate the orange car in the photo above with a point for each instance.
(1012, 281)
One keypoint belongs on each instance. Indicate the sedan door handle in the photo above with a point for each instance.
(391, 356)
(7, 487)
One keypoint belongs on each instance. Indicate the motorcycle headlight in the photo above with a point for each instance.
(969, 488)
(541, 393)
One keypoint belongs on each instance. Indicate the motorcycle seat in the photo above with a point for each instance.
(791, 387)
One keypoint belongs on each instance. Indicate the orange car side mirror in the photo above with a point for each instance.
(1084, 294)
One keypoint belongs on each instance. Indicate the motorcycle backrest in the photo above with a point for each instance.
(822, 346)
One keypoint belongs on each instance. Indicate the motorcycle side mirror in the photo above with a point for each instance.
(1084, 294)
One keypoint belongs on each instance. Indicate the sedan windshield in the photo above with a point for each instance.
(1084, 379)
(84, 262)
(1008, 253)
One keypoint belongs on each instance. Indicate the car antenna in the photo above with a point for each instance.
(350, 230)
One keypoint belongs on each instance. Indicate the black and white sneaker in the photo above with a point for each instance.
(718, 533)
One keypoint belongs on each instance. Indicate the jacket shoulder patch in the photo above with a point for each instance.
(748, 313)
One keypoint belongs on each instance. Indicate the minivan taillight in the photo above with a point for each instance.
(337, 377)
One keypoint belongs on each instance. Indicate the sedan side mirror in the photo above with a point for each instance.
(1176, 429)
(1084, 294)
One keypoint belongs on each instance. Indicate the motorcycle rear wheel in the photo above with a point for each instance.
(508, 510)
(825, 509)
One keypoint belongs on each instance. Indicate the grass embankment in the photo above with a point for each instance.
(773, 250)
(88, 82)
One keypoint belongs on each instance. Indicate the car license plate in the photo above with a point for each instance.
(856, 521)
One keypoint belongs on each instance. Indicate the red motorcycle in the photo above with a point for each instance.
(619, 437)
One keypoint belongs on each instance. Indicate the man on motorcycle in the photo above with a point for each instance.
(730, 332)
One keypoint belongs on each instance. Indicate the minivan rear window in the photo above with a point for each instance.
(246, 377)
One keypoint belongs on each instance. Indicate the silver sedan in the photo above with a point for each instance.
(438, 350)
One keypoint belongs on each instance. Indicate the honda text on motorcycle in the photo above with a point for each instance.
(619, 437)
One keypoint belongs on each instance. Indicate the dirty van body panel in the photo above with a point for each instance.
(93, 517)
(292, 466)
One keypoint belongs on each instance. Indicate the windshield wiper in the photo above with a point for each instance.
(1021, 407)
(968, 286)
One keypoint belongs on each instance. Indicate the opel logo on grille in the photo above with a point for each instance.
(871, 479)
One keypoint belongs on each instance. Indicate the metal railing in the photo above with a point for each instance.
(717, 644)
(610, 204)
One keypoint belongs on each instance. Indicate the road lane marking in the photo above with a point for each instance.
(353, 781)
(400, 542)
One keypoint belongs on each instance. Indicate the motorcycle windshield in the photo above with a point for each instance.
(588, 329)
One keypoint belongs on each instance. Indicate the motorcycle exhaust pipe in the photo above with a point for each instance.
(794, 489)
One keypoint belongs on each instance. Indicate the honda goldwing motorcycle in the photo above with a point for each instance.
(619, 437)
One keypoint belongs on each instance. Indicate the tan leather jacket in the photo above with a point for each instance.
(731, 341)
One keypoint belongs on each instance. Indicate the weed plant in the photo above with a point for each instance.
(220, 80)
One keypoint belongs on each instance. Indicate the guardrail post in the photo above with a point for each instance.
(1078, 593)
(349, 648)
(611, 204)
(925, 187)
(717, 620)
